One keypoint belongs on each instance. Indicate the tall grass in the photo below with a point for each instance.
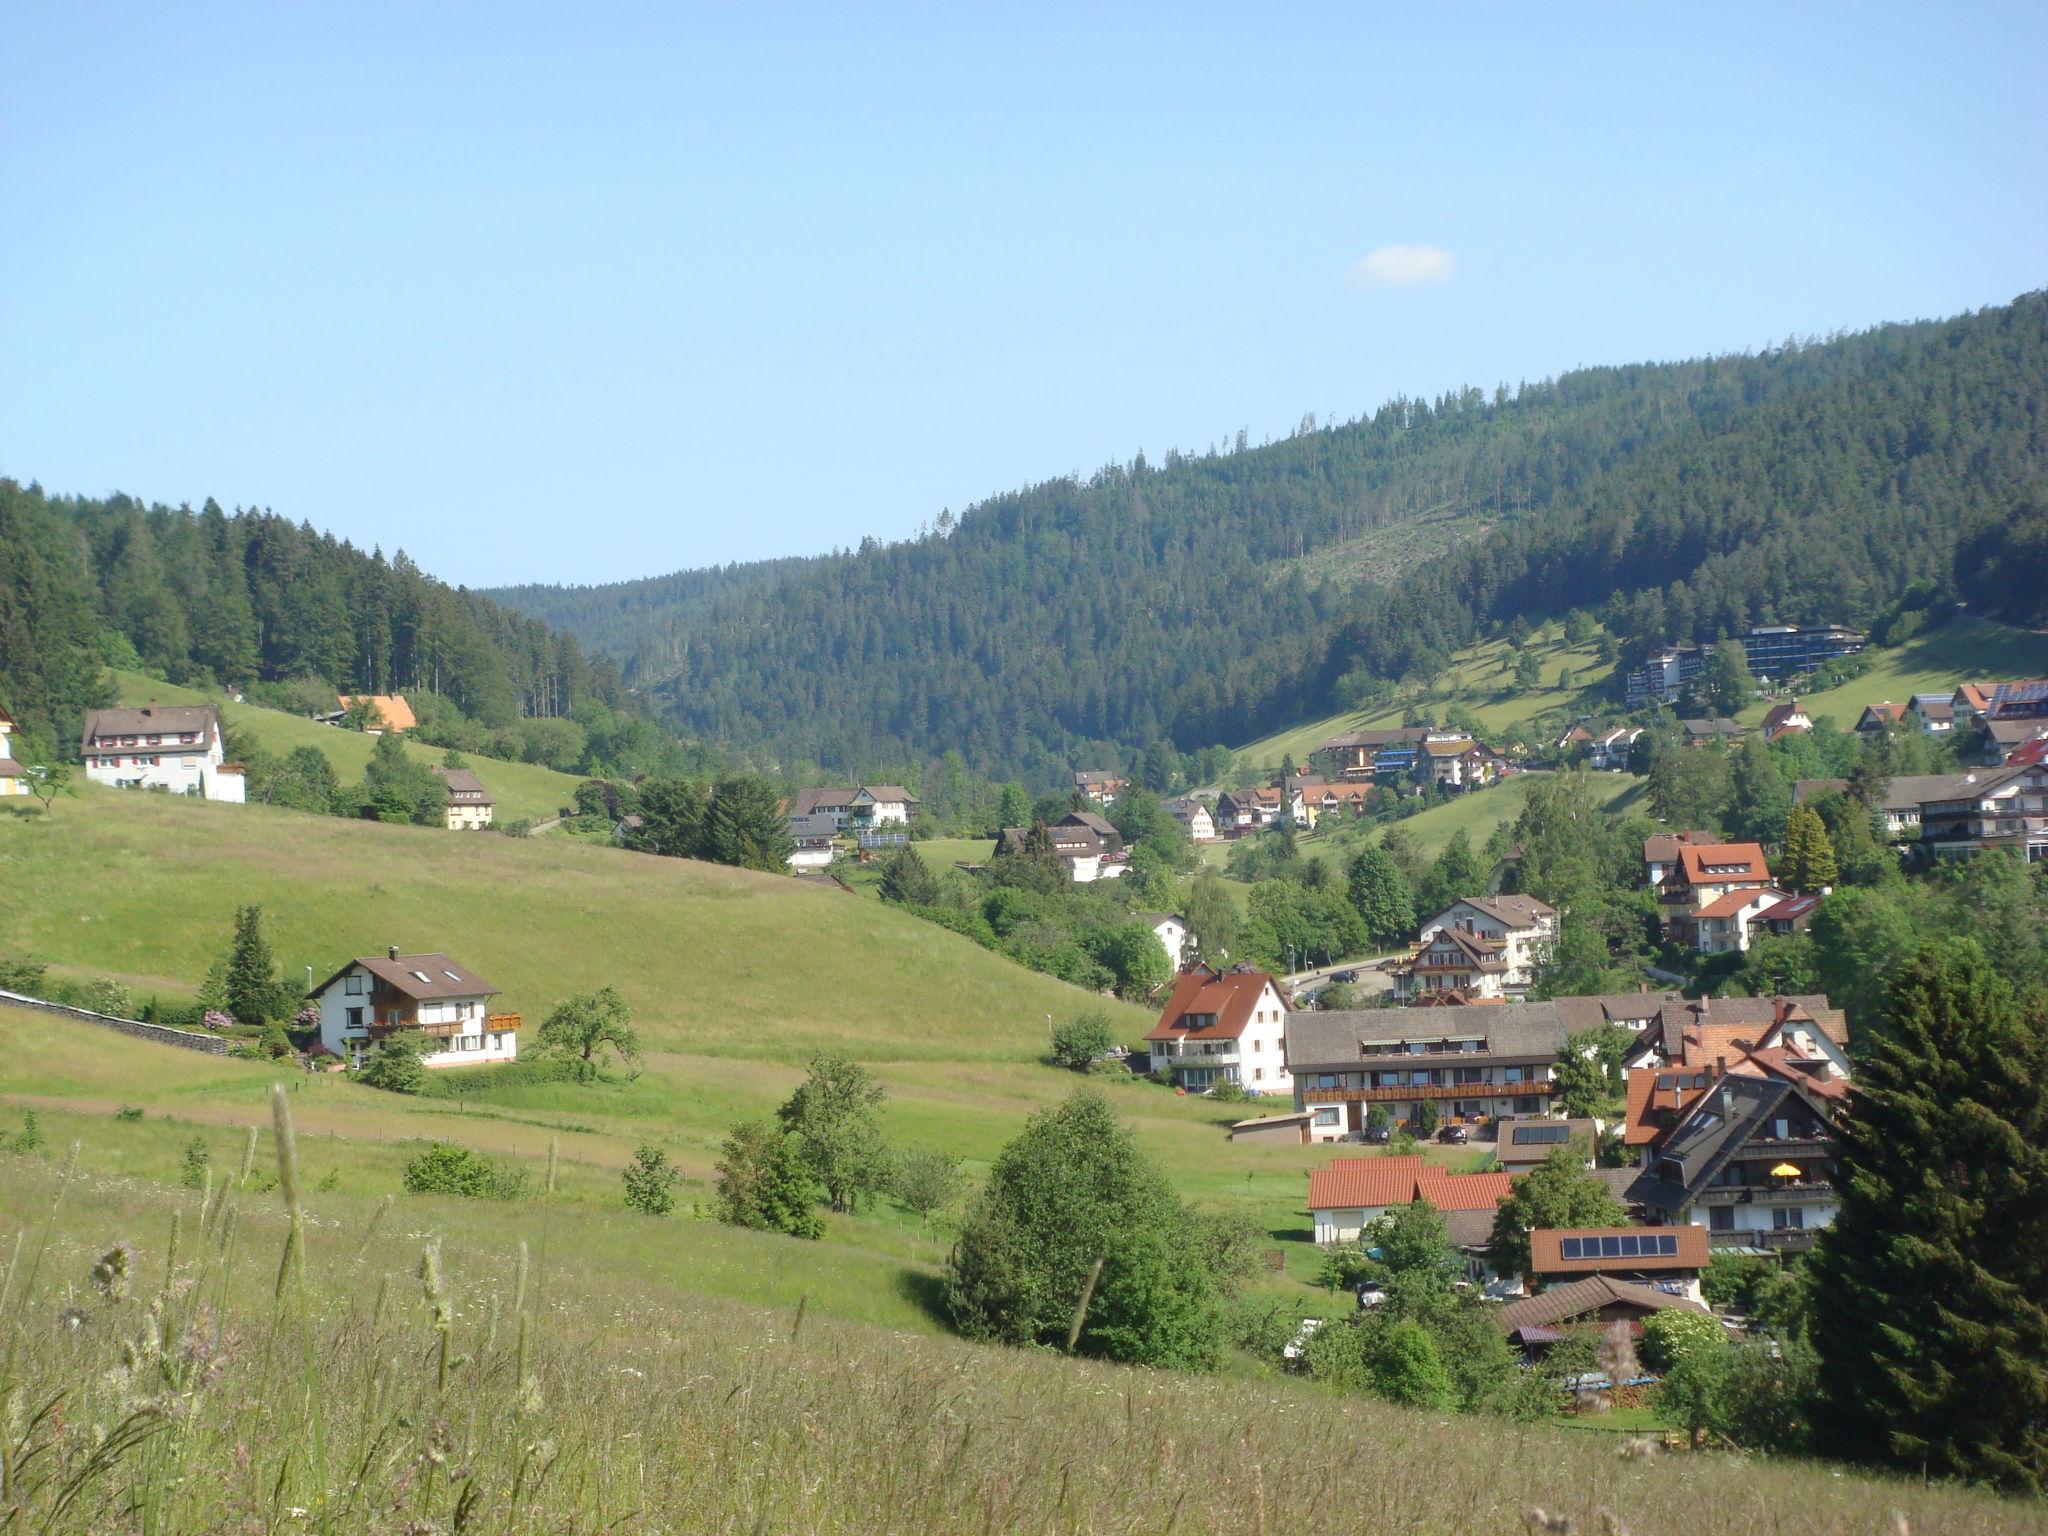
(491, 1396)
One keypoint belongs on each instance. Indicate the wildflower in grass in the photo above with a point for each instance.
(113, 1271)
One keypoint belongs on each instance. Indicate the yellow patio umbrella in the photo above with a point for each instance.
(1784, 1171)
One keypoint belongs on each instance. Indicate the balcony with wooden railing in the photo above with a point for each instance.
(1529, 1090)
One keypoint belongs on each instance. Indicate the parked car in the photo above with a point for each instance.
(1345, 978)
(1456, 1135)
(1378, 1135)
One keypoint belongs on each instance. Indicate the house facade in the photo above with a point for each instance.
(1100, 785)
(1786, 719)
(13, 776)
(881, 805)
(1975, 812)
(469, 803)
(1224, 1026)
(1610, 750)
(1497, 1061)
(814, 839)
(171, 747)
(1705, 873)
(1660, 854)
(1171, 930)
(1722, 926)
(374, 997)
(1351, 1193)
(1523, 929)
(1195, 819)
(1667, 1259)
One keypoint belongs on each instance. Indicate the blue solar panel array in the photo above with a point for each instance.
(1631, 1245)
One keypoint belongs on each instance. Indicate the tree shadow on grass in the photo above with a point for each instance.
(927, 1292)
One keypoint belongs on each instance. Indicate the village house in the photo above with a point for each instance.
(1705, 873)
(1786, 719)
(13, 776)
(1194, 817)
(866, 807)
(1666, 1259)
(375, 997)
(387, 712)
(1453, 961)
(1100, 785)
(1573, 744)
(1223, 1026)
(1496, 1061)
(1702, 732)
(1524, 929)
(1660, 854)
(1784, 918)
(469, 803)
(2006, 741)
(1351, 1193)
(1535, 1323)
(815, 840)
(1689, 1033)
(1523, 1144)
(1749, 1152)
(1239, 811)
(1880, 717)
(1171, 929)
(1722, 926)
(1997, 808)
(1089, 821)
(1079, 847)
(1900, 806)
(1632, 1011)
(1611, 750)
(175, 747)
(1933, 713)
(1350, 797)
(1388, 753)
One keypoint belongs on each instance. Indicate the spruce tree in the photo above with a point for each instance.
(1930, 1310)
(1809, 863)
(906, 878)
(255, 996)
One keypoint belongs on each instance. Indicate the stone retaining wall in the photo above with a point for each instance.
(161, 1034)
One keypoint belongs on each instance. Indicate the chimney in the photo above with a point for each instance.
(393, 951)
(149, 710)
(1781, 1010)
(1642, 987)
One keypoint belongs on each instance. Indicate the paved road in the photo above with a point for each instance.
(1371, 979)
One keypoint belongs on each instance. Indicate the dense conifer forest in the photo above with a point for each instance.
(210, 597)
(1218, 594)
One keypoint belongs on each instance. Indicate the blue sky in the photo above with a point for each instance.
(581, 293)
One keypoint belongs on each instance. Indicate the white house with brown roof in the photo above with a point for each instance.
(13, 776)
(1223, 1026)
(1171, 930)
(1722, 925)
(1195, 819)
(1521, 930)
(375, 997)
(1707, 872)
(469, 803)
(175, 747)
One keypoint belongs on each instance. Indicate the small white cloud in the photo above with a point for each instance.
(1402, 266)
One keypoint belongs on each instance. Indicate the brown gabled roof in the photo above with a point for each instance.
(1229, 995)
(1578, 1298)
(1546, 1251)
(10, 769)
(464, 787)
(422, 977)
(810, 801)
(1662, 847)
(201, 720)
(1481, 954)
(887, 794)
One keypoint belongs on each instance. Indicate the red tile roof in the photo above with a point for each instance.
(1738, 861)
(1360, 1183)
(1230, 997)
(1735, 901)
(1546, 1250)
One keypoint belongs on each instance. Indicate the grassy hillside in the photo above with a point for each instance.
(523, 791)
(735, 978)
(1480, 678)
(648, 1404)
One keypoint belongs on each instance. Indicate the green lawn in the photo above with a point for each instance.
(1964, 650)
(523, 791)
(1475, 814)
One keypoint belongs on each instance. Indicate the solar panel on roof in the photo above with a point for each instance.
(1540, 1135)
(1610, 1247)
(1667, 1244)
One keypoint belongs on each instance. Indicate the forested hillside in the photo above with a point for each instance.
(1208, 598)
(207, 597)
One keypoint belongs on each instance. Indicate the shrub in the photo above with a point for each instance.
(1228, 1090)
(395, 1065)
(194, 1162)
(650, 1182)
(24, 976)
(31, 1135)
(1081, 1039)
(1669, 1337)
(926, 1180)
(128, 1112)
(445, 1169)
(1425, 1117)
(764, 1182)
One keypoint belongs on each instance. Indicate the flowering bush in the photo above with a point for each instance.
(213, 1018)
(307, 1017)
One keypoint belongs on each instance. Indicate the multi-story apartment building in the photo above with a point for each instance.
(176, 748)
(1774, 651)
(1224, 1026)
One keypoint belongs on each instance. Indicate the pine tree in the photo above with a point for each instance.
(906, 878)
(745, 826)
(1382, 895)
(1931, 1287)
(1809, 863)
(255, 996)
